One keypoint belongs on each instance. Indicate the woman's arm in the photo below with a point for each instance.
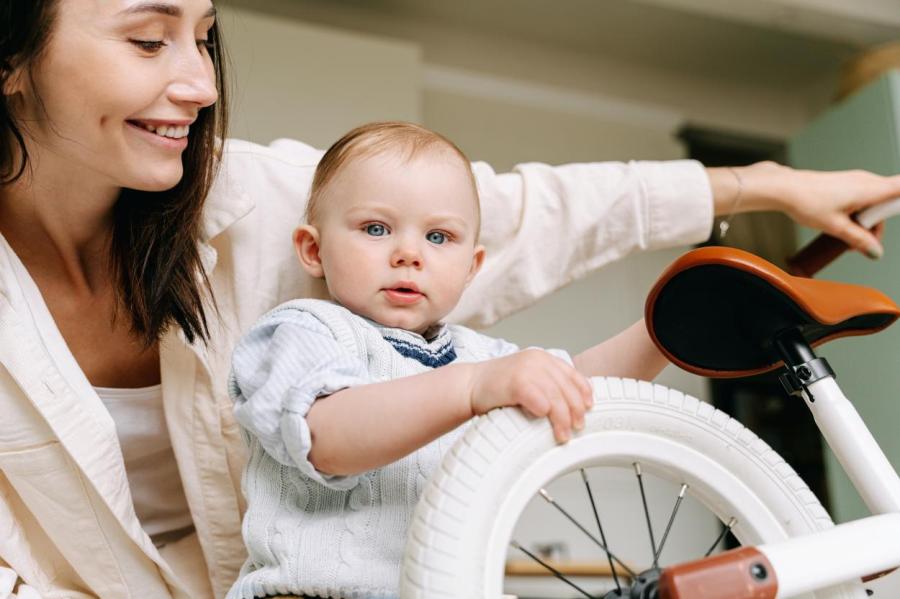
(545, 226)
(630, 354)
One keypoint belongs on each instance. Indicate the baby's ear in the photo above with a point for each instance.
(306, 244)
(477, 261)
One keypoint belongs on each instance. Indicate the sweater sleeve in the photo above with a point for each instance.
(286, 362)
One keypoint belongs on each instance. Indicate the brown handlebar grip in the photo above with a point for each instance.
(743, 573)
(816, 255)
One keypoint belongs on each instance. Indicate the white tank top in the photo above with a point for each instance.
(156, 488)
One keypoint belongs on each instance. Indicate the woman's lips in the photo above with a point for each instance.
(159, 140)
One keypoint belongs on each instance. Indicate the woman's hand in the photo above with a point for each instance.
(538, 382)
(8, 579)
(817, 199)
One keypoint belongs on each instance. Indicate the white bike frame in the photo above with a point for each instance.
(873, 540)
(860, 549)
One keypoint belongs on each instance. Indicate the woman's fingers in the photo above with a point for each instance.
(8, 579)
(859, 238)
(27, 592)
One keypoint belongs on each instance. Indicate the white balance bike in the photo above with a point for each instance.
(718, 312)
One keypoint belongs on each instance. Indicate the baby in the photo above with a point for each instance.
(349, 405)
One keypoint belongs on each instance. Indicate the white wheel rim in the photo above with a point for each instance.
(720, 491)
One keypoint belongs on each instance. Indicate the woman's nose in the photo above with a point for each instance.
(195, 80)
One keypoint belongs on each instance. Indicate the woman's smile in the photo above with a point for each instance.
(173, 137)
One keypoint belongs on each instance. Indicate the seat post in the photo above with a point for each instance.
(811, 378)
(803, 367)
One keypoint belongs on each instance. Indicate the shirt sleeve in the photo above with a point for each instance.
(544, 226)
(279, 369)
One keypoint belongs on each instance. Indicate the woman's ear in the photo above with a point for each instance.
(306, 244)
(477, 261)
(12, 81)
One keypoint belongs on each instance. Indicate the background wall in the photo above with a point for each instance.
(582, 80)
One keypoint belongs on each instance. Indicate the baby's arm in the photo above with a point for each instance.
(367, 426)
(629, 354)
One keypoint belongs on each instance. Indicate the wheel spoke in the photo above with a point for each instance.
(662, 543)
(555, 572)
(637, 472)
(721, 536)
(602, 545)
(612, 566)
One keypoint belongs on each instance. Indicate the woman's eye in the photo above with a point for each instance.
(436, 237)
(376, 230)
(149, 45)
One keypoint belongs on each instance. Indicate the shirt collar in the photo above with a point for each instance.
(434, 349)
(226, 203)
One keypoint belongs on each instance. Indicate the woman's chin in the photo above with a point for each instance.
(162, 180)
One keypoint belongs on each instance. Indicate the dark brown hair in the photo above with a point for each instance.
(154, 252)
(375, 138)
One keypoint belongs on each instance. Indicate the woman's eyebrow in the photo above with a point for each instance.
(163, 8)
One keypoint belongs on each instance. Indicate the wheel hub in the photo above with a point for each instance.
(644, 586)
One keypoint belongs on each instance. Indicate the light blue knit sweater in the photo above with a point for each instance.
(314, 534)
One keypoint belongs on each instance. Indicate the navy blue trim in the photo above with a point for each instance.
(444, 355)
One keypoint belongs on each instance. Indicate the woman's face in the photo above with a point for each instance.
(116, 90)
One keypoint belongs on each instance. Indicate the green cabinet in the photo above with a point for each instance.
(862, 132)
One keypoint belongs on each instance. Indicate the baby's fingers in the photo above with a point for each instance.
(573, 394)
(547, 400)
(560, 419)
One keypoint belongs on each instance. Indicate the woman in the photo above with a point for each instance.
(131, 258)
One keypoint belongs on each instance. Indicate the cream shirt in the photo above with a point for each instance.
(67, 521)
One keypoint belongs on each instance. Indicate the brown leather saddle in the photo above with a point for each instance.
(716, 312)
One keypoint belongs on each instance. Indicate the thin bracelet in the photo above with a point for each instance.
(726, 222)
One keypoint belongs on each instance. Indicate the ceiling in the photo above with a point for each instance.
(778, 42)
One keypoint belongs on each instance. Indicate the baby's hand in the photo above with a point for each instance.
(539, 383)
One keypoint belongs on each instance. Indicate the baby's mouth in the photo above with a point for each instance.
(404, 294)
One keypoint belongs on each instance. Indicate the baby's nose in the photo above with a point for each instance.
(406, 255)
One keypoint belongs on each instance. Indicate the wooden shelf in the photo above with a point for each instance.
(566, 567)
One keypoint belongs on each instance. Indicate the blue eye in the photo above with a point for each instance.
(376, 230)
(436, 237)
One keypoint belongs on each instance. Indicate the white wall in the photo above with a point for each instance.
(313, 83)
(732, 97)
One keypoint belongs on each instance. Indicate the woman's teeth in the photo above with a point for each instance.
(173, 131)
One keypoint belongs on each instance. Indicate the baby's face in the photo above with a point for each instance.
(397, 238)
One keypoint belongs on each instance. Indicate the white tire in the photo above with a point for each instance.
(459, 533)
